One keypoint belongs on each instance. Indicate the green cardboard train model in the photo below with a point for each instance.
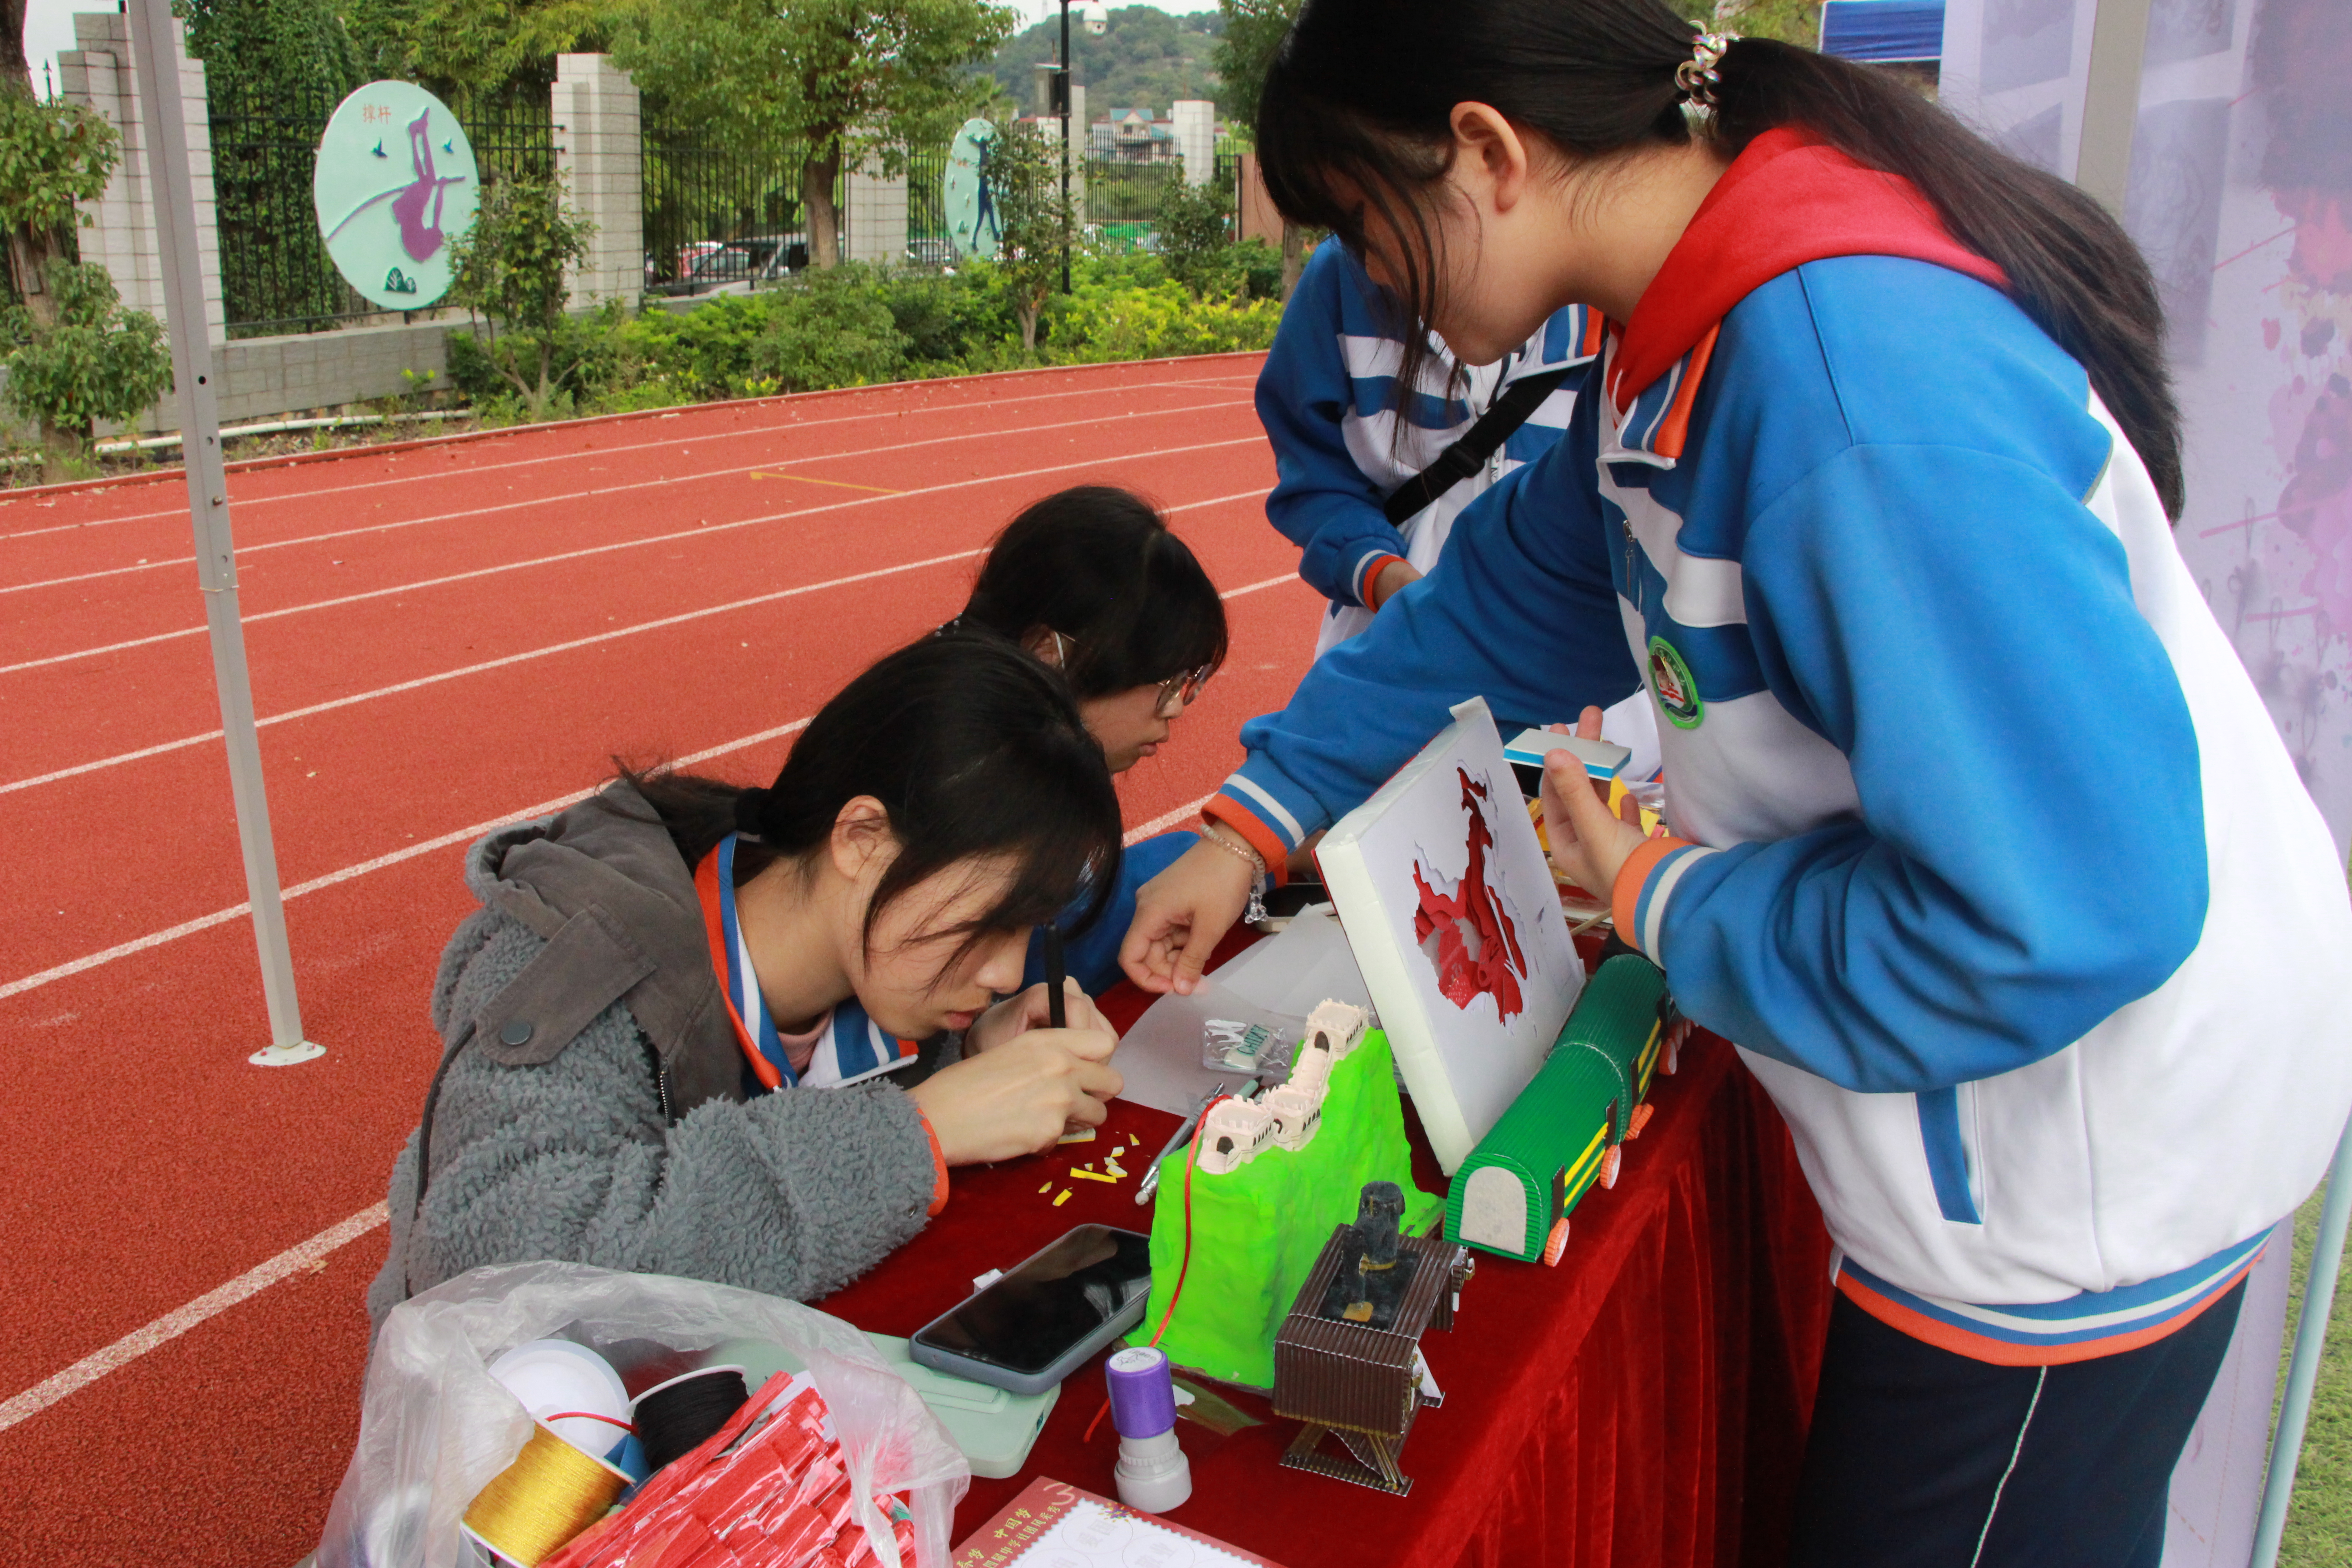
(1513, 1194)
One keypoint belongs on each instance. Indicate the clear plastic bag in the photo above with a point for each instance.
(434, 1427)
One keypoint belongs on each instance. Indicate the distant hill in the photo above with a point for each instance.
(1147, 60)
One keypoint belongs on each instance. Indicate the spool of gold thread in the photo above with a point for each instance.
(550, 1493)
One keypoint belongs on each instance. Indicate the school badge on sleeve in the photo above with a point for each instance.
(1671, 683)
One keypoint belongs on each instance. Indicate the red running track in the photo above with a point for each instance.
(443, 636)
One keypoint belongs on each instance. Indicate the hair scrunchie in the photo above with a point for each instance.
(1697, 76)
(751, 808)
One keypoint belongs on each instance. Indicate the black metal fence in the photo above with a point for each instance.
(699, 194)
(276, 275)
(1123, 199)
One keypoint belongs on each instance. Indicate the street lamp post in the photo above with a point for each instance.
(1097, 20)
(1062, 96)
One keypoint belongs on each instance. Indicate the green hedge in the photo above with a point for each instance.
(857, 325)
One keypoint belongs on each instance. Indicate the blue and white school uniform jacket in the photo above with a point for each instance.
(1327, 398)
(1998, 871)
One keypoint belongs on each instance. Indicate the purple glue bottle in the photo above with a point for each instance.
(1154, 1474)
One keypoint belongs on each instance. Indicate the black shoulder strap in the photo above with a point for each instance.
(1477, 444)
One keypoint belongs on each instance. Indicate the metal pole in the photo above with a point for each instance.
(2110, 101)
(2310, 1339)
(1067, 96)
(155, 62)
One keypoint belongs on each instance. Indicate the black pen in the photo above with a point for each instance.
(1058, 1012)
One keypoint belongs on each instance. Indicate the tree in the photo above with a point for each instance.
(84, 358)
(1144, 59)
(52, 155)
(510, 266)
(15, 70)
(285, 51)
(457, 47)
(840, 79)
(1195, 236)
(1026, 182)
(1253, 31)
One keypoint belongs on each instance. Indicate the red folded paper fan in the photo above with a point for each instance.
(768, 1490)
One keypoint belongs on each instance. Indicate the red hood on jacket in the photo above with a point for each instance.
(1787, 199)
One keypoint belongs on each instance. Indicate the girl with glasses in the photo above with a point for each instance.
(1092, 581)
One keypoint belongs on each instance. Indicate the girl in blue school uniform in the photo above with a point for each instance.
(1983, 848)
(1345, 436)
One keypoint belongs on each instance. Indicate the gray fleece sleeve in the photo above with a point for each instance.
(794, 1193)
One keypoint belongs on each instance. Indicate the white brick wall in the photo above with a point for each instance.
(878, 216)
(598, 138)
(1196, 138)
(98, 73)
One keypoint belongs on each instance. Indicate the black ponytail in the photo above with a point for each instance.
(1354, 120)
(973, 749)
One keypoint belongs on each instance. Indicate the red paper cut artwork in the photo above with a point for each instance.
(1466, 930)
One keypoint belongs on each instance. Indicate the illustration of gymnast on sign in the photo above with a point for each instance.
(387, 219)
(416, 206)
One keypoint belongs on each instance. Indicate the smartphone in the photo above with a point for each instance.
(1037, 1324)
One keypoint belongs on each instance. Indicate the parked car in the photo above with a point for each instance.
(739, 266)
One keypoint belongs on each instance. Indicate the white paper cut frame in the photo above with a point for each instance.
(1469, 962)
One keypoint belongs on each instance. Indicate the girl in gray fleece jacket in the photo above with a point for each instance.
(739, 1035)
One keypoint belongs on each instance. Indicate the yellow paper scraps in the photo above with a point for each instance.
(1081, 1135)
(1046, 1188)
(1064, 1199)
(1086, 1175)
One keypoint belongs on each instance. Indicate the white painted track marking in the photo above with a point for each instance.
(649, 416)
(660, 482)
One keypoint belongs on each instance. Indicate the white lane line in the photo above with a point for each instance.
(591, 452)
(424, 681)
(561, 556)
(729, 471)
(254, 1281)
(172, 1324)
(464, 835)
(405, 852)
(187, 740)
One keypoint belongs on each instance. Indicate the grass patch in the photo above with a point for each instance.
(2319, 1522)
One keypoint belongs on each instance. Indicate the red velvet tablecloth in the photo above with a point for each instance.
(1643, 1403)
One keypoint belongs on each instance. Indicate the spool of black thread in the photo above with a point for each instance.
(679, 1416)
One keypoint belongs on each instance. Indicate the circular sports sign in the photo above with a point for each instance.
(395, 184)
(969, 194)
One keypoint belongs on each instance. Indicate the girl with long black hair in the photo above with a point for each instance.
(1985, 851)
(740, 1035)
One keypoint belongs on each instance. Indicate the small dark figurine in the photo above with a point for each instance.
(1373, 1272)
(1344, 1360)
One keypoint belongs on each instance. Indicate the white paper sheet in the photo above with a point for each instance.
(1092, 1536)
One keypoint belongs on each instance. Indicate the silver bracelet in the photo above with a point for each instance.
(1256, 911)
